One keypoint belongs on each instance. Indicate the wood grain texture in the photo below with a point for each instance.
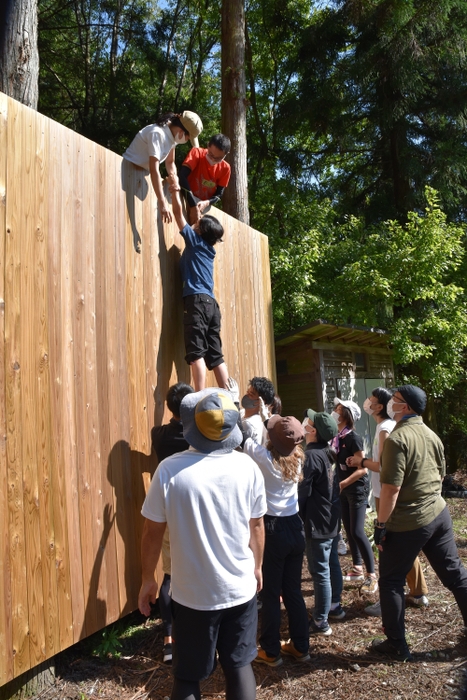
(92, 336)
(6, 648)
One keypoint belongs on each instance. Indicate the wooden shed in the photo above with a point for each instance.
(319, 361)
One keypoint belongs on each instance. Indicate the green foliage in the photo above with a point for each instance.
(109, 67)
(381, 92)
(400, 277)
(110, 644)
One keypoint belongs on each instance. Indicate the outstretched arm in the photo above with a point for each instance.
(159, 190)
(151, 545)
(174, 187)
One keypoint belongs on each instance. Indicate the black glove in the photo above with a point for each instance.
(380, 535)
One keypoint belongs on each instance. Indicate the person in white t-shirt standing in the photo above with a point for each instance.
(376, 406)
(254, 413)
(155, 144)
(213, 500)
(281, 463)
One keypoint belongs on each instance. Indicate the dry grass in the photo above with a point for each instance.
(341, 666)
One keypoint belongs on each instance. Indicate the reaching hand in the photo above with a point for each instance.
(232, 386)
(165, 212)
(201, 206)
(174, 184)
(263, 410)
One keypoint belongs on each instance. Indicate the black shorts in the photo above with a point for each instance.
(198, 633)
(202, 328)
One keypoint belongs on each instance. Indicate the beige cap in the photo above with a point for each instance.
(193, 124)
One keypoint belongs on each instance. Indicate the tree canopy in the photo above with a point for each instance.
(357, 151)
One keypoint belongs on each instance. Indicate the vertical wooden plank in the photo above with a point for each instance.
(41, 364)
(226, 294)
(267, 303)
(81, 240)
(135, 323)
(70, 216)
(29, 398)
(96, 583)
(13, 360)
(58, 310)
(120, 465)
(6, 656)
(106, 558)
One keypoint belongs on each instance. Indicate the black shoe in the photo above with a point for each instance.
(395, 648)
(167, 654)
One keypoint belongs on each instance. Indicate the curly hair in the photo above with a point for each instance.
(264, 388)
(290, 466)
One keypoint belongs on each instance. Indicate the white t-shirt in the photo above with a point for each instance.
(282, 497)
(255, 429)
(207, 501)
(387, 426)
(153, 140)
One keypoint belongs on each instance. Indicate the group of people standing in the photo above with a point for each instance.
(245, 502)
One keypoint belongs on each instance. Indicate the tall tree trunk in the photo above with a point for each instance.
(235, 199)
(19, 55)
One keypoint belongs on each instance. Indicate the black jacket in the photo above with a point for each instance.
(318, 494)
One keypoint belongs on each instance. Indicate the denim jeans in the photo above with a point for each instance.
(436, 540)
(337, 583)
(282, 575)
(325, 570)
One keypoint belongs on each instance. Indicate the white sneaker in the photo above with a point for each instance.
(374, 610)
(420, 601)
(341, 547)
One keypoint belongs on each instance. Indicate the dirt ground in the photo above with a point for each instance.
(341, 666)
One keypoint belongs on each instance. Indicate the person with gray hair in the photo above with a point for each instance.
(412, 516)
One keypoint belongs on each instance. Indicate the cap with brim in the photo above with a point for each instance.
(193, 124)
(325, 425)
(285, 433)
(353, 407)
(209, 420)
(415, 397)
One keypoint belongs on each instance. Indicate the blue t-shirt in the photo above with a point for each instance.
(197, 264)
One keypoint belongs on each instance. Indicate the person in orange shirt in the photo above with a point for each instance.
(204, 175)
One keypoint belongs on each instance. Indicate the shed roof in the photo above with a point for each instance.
(330, 333)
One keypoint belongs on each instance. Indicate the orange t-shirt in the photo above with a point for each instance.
(204, 179)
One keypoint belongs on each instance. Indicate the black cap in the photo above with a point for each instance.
(414, 396)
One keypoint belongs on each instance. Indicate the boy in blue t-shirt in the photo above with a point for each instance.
(201, 314)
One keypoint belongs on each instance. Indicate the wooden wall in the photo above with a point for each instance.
(91, 340)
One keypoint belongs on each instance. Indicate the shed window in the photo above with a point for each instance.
(360, 361)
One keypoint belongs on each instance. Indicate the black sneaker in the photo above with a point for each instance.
(395, 648)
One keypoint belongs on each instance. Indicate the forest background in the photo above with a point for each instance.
(356, 151)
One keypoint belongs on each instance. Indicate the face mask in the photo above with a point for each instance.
(181, 138)
(390, 408)
(210, 160)
(247, 402)
(336, 416)
(367, 407)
